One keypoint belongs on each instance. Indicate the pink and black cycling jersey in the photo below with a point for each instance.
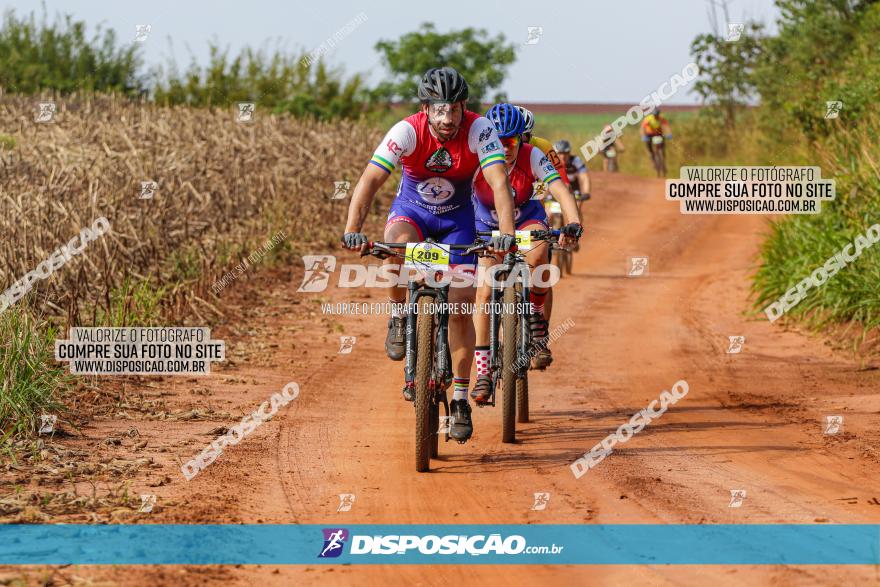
(437, 175)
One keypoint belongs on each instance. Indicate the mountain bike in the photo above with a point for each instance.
(610, 159)
(658, 154)
(510, 341)
(428, 362)
(560, 257)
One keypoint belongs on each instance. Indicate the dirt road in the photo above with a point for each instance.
(751, 421)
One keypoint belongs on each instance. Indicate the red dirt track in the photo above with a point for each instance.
(750, 421)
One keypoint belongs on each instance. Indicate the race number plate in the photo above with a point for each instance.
(426, 256)
(523, 239)
(611, 152)
(657, 139)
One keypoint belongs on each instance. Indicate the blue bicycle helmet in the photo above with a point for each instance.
(508, 120)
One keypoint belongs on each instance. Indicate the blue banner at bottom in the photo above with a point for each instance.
(159, 544)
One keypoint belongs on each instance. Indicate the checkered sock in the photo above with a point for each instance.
(460, 390)
(481, 358)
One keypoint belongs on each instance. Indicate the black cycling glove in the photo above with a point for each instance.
(503, 242)
(354, 240)
(574, 229)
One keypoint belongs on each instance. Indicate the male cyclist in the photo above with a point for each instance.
(576, 170)
(654, 125)
(441, 148)
(613, 144)
(543, 144)
(525, 165)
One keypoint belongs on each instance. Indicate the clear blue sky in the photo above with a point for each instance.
(590, 51)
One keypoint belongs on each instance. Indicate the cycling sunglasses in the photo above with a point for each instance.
(511, 142)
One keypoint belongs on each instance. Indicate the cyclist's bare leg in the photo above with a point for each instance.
(461, 332)
(539, 255)
(399, 232)
(483, 294)
(395, 339)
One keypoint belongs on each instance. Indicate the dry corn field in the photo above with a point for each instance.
(224, 188)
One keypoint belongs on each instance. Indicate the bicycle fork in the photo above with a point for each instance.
(442, 356)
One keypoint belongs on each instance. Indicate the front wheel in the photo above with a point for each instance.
(660, 160)
(522, 399)
(509, 347)
(426, 429)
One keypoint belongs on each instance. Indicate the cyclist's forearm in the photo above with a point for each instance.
(362, 197)
(563, 195)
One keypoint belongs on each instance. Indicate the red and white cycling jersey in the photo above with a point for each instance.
(437, 175)
(531, 164)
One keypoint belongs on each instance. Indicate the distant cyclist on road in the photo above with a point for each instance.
(654, 125)
(576, 170)
(440, 148)
(525, 165)
(613, 145)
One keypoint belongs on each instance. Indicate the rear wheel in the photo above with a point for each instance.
(509, 340)
(522, 399)
(426, 429)
(557, 257)
(435, 425)
(660, 160)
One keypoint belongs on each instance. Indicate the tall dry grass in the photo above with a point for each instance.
(223, 187)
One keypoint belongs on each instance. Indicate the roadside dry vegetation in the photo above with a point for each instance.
(224, 188)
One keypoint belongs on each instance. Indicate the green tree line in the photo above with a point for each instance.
(58, 56)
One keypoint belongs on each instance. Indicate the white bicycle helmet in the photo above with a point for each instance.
(529, 118)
